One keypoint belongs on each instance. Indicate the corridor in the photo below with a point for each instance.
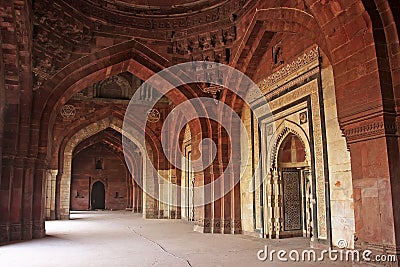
(120, 238)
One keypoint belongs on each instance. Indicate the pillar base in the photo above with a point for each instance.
(27, 230)
(38, 230)
(15, 231)
(226, 226)
(202, 226)
(4, 233)
(215, 226)
(236, 227)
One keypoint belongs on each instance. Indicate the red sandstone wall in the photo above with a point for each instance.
(84, 173)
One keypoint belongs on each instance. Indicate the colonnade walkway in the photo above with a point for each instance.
(122, 238)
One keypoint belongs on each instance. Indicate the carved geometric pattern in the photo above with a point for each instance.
(319, 162)
(291, 200)
(297, 64)
(153, 115)
(131, 15)
(369, 130)
(68, 111)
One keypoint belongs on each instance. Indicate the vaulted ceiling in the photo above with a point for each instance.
(179, 31)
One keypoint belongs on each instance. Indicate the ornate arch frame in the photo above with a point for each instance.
(274, 143)
(285, 128)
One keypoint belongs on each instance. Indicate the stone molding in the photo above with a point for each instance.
(298, 67)
(371, 130)
(151, 21)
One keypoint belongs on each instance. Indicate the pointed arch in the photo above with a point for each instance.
(77, 138)
(286, 128)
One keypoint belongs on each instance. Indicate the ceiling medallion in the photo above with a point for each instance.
(153, 115)
(68, 111)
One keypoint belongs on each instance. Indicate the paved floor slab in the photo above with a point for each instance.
(120, 238)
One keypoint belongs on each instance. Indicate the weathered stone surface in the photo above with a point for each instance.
(68, 69)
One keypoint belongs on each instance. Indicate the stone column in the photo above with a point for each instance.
(216, 220)
(5, 197)
(39, 200)
(151, 191)
(51, 176)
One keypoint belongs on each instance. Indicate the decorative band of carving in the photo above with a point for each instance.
(297, 64)
(370, 130)
(272, 94)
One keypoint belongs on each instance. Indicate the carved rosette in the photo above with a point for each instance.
(68, 112)
(153, 115)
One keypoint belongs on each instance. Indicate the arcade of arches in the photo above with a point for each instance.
(324, 164)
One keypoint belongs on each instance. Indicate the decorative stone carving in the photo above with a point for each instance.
(209, 46)
(43, 71)
(181, 47)
(279, 139)
(309, 89)
(307, 58)
(369, 130)
(229, 35)
(216, 39)
(204, 42)
(153, 115)
(303, 117)
(135, 16)
(57, 20)
(214, 90)
(57, 37)
(68, 111)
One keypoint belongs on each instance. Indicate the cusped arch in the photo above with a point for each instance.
(286, 128)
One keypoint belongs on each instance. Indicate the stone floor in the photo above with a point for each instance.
(107, 238)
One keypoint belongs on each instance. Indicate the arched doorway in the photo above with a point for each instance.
(98, 196)
(296, 187)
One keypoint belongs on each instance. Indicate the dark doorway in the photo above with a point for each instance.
(98, 196)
